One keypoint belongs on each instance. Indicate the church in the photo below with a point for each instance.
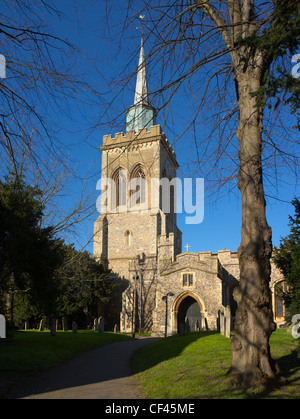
(161, 289)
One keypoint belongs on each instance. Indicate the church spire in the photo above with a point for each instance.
(141, 90)
(141, 115)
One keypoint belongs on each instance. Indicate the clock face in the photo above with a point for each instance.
(167, 166)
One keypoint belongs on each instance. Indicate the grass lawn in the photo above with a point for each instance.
(33, 350)
(195, 366)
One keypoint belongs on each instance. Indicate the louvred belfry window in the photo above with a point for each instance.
(120, 180)
(139, 185)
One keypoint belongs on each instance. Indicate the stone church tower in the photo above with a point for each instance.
(133, 235)
(159, 288)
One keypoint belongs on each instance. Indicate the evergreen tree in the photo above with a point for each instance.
(287, 259)
(280, 40)
(29, 254)
(84, 285)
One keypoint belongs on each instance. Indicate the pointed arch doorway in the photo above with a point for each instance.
(188, 313)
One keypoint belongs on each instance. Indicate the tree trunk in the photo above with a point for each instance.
(254, 324)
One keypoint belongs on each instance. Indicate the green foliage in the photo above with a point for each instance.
(46, 277)
(29, 254)
(19, 215)
(83, 285)
(282, 35)
(287, 259)
(279, 42)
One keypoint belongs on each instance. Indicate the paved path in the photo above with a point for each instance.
(103, 373)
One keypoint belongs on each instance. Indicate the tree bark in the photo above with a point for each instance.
(254, 324)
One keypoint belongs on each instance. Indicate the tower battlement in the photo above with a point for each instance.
(131, 136)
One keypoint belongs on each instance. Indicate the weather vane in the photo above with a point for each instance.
(141, 17)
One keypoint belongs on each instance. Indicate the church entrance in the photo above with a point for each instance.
(189, 315)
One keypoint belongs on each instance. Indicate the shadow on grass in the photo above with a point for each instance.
(216, 384)
(66, 366)
(165, 349)
(287, 386)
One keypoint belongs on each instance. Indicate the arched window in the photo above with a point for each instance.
(138, 186)
(120, 179)
(128, 237)
(279, 309)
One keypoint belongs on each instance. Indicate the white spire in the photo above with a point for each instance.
(141, 115)
(141, 91)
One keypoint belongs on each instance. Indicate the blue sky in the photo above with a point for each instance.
(102, 64)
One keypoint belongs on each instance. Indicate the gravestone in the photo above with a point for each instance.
(2, 327)
(116, 329)
(74, 327)
(42, 325)
(53, 327)
(101, 324)
(221, 313)
(224, 322)
(27, 327)
(95, 327)
(65, 324)
(227, 331)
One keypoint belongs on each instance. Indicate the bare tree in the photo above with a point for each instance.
(41, 86)
(214, 53)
